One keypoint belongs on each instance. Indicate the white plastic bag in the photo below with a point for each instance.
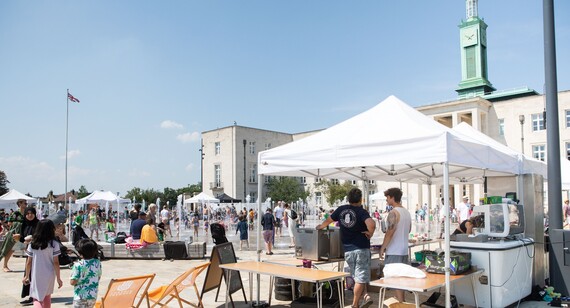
(402, 270)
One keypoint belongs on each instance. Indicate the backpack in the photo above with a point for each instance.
(120, 238)
(293, 214)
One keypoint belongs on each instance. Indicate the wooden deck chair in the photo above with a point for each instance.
(172, 291)
(122, 292)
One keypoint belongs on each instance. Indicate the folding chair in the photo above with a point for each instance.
(173, 290)
(122, 292)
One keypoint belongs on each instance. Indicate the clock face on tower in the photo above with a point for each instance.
(469, 37)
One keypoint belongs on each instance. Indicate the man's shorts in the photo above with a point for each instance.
(18, 246)
(268, 236)
(93, 227)
(84, 303)
(389, 259)
(278, 222)
(359, 263)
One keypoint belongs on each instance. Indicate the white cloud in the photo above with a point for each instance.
(171, 124)
(71, 154)
(188, 137)
(189, 167)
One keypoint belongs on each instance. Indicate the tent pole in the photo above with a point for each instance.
(258, 226)
(446, 233)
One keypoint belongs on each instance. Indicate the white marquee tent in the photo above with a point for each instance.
(202, 198)
(390, 142)
(8, 200)
(102, 198)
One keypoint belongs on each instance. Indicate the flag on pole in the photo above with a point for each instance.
(72, 98)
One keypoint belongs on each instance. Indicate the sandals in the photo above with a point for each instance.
(7, 270)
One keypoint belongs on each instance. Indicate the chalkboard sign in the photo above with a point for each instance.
(222, 254)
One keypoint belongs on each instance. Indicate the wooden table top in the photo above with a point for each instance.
(299, 262)
(285, 271)
(431, 282)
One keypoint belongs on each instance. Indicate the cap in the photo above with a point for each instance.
(466, 197)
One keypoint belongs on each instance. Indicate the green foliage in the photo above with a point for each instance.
(82, 192)
(334, 191)
(3, 183)
(286, 189)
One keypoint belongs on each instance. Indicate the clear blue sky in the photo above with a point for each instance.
(153, 75)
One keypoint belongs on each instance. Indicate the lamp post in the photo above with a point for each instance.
(521, 120)
(201, 150)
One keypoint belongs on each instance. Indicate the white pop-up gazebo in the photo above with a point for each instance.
(389, 142)
(8, 200)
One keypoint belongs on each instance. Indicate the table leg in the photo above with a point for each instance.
(228, 286)
(319, 295)
(381, 295)
(251, 286)
(292, 289)
(417, 299)
(339, 285)
(271, 281)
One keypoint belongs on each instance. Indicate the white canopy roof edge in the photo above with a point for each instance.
(202, 198)
(101, 197)
(391, 142)
(527, 164)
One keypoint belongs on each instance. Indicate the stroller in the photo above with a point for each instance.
(67, 256)
(218, 233)
(77, 234)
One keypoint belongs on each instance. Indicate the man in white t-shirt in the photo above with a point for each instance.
(165, 218)
(463, 209)
(278, 213)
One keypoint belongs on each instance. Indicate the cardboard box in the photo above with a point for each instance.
(197, 250)
(394, 303)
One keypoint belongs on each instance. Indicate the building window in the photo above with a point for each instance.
(252, 147)
(353, 182)
(267, 146)
(217, 148)
(253, 173)
(539, 152)
(371, 182)
(303, 180)
(218, 175)
(318, 180)
(568, 150)
(334, 181)
(266, 179)
(252, 197)
(537, 122)
(567, 118)
(318, 198)
(501, 127)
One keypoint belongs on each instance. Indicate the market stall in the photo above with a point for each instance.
(390, 142)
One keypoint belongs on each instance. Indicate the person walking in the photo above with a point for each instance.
(15, 217)
(28, 228)
(243, 234)
(85, 274)
(42, 255)
(291, 216)
(268, 224)
(356, 229)
(395, 243)
(94, 223)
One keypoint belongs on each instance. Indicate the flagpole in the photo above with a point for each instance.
(66, 144)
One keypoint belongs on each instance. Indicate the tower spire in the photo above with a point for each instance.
(471, 9)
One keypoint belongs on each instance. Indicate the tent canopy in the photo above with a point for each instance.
(224, 198)
(389, 142)
(8, 200)
(201, 198)
(102, 197)
(527, 164)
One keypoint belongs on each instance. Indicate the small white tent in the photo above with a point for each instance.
(8, 200)
(102, 197)
(201, 198)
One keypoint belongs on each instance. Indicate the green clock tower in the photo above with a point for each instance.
(473, 33)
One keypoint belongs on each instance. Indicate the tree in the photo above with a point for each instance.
(286, 189)
(82, 192)
(333, 191)
(3, 183)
